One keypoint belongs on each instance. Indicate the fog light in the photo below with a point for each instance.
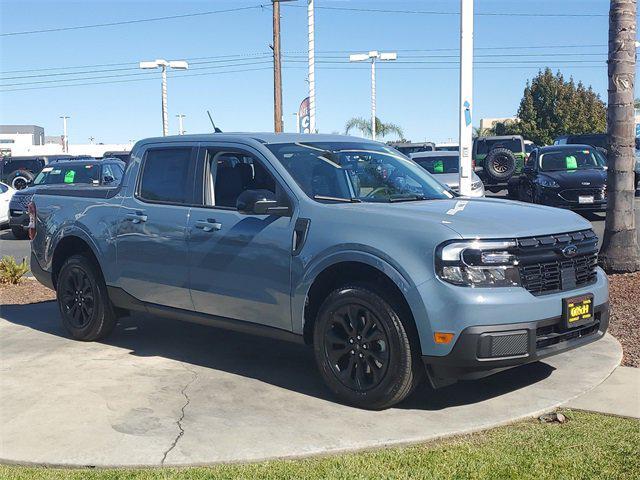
(442, 337)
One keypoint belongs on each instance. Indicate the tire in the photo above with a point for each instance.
(500, 164)
(20, 179)
(19, 233)
(390, 368)
(84, 304)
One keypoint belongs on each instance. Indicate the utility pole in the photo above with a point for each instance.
(277, 69)
(312, 67)
(297, 115)
(466, 95)
(373, 56)
(65, 138)
(180, 127)
(163, 64)
(620, 252)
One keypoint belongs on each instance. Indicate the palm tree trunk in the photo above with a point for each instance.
(620, 251)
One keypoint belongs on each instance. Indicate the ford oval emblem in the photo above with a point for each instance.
(570, 251)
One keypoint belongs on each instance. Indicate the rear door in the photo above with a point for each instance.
(151, 242)
(240, 264)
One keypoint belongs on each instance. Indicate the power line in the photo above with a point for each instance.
(130, 22)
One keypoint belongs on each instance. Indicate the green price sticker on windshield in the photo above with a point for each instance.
(438, 166)
(69, 176)
(572, 162)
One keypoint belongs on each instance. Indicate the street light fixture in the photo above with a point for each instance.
(373, 56)
(163, 64)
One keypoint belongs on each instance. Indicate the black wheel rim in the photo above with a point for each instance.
(77, 297)
(357, 347)
(19, 184)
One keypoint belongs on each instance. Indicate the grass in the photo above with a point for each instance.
(587, 446)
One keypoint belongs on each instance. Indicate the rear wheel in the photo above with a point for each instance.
(363, 350)
(500, 164)
(20, 179)
(84, 304)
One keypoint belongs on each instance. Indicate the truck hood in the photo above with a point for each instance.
(482, 217)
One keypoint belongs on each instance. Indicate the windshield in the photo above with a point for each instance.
(565, 160)
(484, 146)
(356, 172)
(68, 174)
(442, 164)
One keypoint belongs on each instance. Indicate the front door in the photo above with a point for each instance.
(239, 264)
(152, 251)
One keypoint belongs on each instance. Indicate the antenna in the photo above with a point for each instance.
(215, 129)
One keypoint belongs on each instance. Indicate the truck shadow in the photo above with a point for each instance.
(278, 363)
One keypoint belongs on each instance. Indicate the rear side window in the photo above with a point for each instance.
(167, 176)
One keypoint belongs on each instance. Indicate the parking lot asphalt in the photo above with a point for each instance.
(163, 392)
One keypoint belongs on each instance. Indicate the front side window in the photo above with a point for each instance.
(566, 160)
(64, 173)
(166, 176)
(356, 172)
(232, 172)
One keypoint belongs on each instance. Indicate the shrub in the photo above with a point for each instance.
(12, 272)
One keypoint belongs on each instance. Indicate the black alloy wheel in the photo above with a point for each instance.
(357, 347)
(77, 297)
(19, 183)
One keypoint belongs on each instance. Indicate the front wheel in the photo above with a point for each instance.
(363, 350)
(84, 304)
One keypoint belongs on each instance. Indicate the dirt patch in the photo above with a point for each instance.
(624, 294)
(27, 291)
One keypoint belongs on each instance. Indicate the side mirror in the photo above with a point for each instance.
(108, 179)
(260, 202)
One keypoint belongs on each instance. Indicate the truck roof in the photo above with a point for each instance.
(264, 137)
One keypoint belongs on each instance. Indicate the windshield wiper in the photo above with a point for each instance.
(337, 199)
(407, 198)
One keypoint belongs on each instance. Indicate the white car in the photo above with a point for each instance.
(6, 192)
(444, 166)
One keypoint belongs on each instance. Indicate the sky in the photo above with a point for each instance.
(230, 67)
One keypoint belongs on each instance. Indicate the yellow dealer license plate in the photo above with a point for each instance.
(577, 311)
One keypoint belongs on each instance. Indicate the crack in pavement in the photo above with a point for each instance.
(179, 421)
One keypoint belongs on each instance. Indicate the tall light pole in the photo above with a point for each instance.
(297, 115)
(373, 56)
(180, 128)
(312, 67)
(466, 95)
(163, 64)
(65, 138)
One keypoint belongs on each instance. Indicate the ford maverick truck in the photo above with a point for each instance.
(336, 242)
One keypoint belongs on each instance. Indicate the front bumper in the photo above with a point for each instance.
(552, 197)
(481, 351)
(18, 218)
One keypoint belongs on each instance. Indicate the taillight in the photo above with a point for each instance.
(31, 208)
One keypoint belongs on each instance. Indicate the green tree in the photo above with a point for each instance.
(551, 106)
(364, 126)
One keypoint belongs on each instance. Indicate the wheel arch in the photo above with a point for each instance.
(67, 246)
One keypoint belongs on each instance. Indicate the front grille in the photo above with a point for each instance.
(20, 202)
(573, 194)
(557, 263)
(554, 334)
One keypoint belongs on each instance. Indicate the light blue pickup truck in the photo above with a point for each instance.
(336, 242)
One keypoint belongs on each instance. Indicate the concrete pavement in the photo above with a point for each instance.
(162, 392)
(617, 395)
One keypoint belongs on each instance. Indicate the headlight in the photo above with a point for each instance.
(478, 263)
(548, 182)
(476, 185)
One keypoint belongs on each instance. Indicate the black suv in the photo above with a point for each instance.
(19, 172)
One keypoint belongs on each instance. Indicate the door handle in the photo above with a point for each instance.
(137, 217)
(208, 225)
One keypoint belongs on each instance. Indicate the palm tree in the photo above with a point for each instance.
(620, 252)
(364, 126)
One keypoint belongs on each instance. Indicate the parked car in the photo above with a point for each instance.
(445, 167)
(597, 140)
(390, 280)
(6, 192)
(122, 155)
(18, 172)
(94, 172)
(566, 176)
(529, 147)
(497, 159)
(447, 147)
(407, 148)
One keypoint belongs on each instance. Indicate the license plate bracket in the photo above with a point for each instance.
(585, 199)
(577, 311)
